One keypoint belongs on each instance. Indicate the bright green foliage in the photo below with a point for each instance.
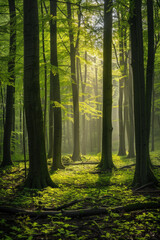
(79, 182)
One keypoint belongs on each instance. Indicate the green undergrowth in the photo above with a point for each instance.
(81, 182)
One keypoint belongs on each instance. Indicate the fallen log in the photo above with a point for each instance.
(126, 166)
(63, 206)
(80, 163)
(76, 213)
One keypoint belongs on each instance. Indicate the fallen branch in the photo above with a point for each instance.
(76, 213)
(127, 166)
(80, 163)
(63, 206)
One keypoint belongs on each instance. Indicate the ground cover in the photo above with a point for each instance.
(127, 214)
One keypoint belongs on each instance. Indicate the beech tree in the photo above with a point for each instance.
(106, 160)
(10, 88)
(143, 172)
(75, 93)
(54, 75)
(38, 176)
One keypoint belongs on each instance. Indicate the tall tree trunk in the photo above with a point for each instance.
(150, 70)
(56, 164)
(122, 149)
(126, 89)
(143, 173)
(38, 176)
(45, 76)
(10, 88)
(153, 117)
(131, 112)
(106, 160)
(76, 134)
(83, 85)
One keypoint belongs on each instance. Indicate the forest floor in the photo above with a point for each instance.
(86, 205)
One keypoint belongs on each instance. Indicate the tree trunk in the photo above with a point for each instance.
(153, 117)
(106, 160)
(38, 176)
(150, 71)
(10, 88)
(131, 113)
(56, 164)
(45, 76)
(122, 149)
(143, 173)
(83, 84)
(76, 143)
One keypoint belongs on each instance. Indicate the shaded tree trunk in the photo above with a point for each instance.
(150, 71)
(45, 76)
(57, 143)
(10, 88)
(143, 173)
(38, 176)
(106, 160)
(153, 117)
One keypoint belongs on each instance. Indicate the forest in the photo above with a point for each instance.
(79, 119)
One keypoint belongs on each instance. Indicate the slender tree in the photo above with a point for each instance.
(122, 149)
(10, 88)
(38, 176)
(73, 49)
(45, 73)
(106, 160)
(56, 89)
(83, 85)
(143, 172)
(131, 112)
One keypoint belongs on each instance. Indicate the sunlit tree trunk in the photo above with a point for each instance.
(10, 88)
(106, 160)
(122, 149)
(56, 90)
(126, 89)
(131, 112)
(38, 176)
(83, 85)
(143, 173)
(76, 132)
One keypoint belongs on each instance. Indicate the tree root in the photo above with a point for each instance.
(144, 186)
(83, 212)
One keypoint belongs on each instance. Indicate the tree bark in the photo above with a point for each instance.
(57, 143)
(153, 117)
(131, 112)
(10, 88)
(83, 85)
(143, 173)
(150, 71)
(122, 149)
(106, 160)
(38, 176)
(75, 94)
(45, 76)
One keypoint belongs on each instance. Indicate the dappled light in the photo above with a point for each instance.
(80, 119)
